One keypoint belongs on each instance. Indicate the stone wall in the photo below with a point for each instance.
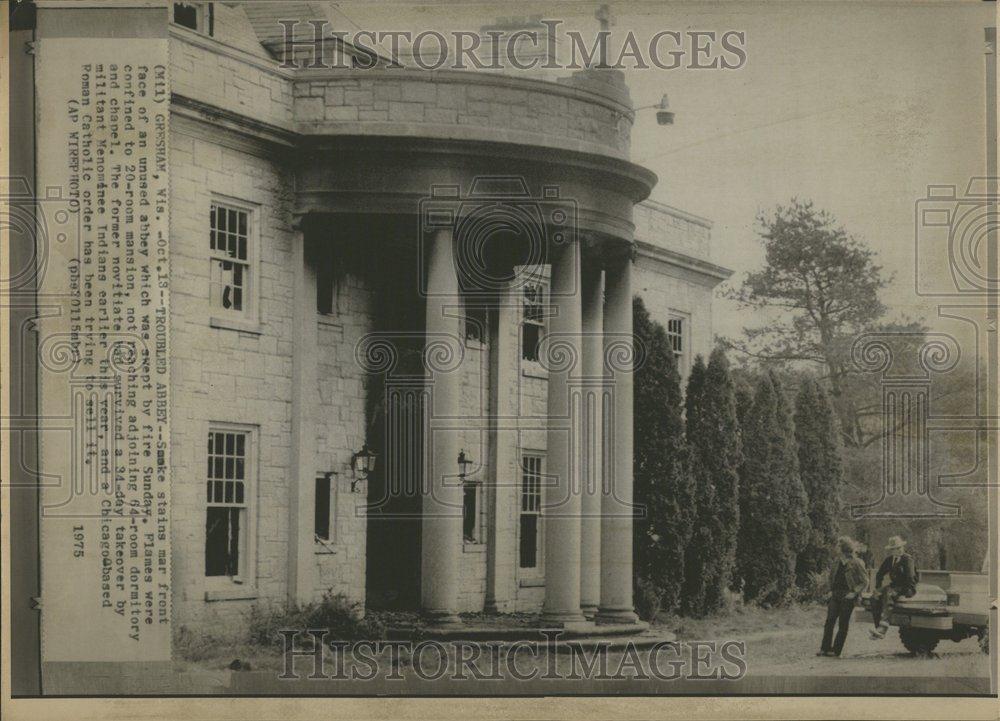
(673, 229)
(475, 442)
(225, 375)
(340, 431)
(671, 292)
(244, 375)
(229, 78)
(679, 285)
(458, 104)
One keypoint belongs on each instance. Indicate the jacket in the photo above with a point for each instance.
(855, 574)
(902, 574)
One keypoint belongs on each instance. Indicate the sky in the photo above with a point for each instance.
(856, 106)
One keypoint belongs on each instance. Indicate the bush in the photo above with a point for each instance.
(343, 619)
(648, 599)
(815, 588)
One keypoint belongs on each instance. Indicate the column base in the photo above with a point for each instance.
(616, 615)
(589, 610)
(442, 618)
(561, 619)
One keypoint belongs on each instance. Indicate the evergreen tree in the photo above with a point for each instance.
(663, 491)
(744, 406)
(700, 555)
(719, 441)
(787, 469)
(773, 510)
(820, 466)
(714, 442)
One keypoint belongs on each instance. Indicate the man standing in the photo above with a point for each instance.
(848, 578)
(900, 579)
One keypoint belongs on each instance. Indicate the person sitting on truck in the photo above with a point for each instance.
(848, 578)
(896, 578)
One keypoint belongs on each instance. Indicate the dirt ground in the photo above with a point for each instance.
(781, 647)
(784, 642)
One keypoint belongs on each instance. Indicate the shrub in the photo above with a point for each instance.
(343, 619)
(814, 588)
(648, 599)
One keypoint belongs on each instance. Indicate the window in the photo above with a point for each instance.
(533, 321)
(531, 508)
(195, 15)
(231, 250)
(327, 287)
(226, 527)
(476, 323)
(324, 509)
(675, 334)
(470, 508)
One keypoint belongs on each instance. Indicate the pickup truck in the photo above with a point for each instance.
(948, 605)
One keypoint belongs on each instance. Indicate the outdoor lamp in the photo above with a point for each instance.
(463, 464)
(664, 116)
(362, 463)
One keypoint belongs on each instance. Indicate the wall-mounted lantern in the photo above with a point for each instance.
(463, 464)
(362, 463)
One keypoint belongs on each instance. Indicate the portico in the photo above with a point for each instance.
(478, 219)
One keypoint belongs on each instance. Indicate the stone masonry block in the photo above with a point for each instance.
(401, 111)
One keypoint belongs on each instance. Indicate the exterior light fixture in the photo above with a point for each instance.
(463, 464)
(664, 116)
(362, 463)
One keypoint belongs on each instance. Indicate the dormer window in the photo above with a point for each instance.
(195, 16)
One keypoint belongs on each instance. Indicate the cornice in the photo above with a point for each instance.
(707, 273)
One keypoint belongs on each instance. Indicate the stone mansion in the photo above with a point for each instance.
(400, 312)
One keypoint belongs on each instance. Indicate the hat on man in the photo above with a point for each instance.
(895, 542)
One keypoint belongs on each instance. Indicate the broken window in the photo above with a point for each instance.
(195, 16)
(533, 320)
(230, 250)
(227, 495)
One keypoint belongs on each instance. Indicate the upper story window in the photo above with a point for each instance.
(476, 323)
(676, 328)
(324, 261)
(198, 16)
(227, 526)
(533, 319)
(232, 250)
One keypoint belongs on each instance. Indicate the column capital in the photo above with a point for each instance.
(618, 252)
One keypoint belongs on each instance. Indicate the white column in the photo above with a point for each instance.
(561, 510)
(592, 438)
(441, 539)
(505, 499)
(302, 485)
(616, 523)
